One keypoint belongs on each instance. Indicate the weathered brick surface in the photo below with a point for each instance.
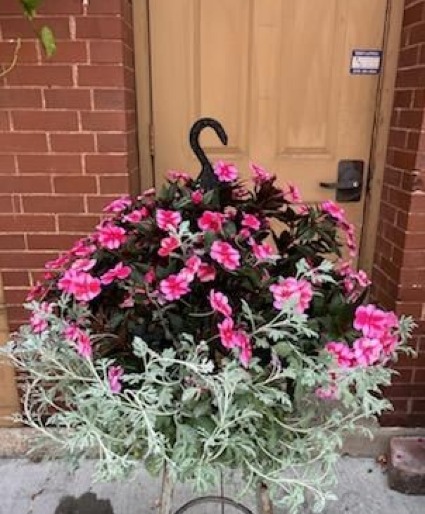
(67, 132)
(399, 268)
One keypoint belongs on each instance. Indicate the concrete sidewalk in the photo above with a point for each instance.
(48, 488)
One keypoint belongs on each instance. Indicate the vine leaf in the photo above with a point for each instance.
(47, 40)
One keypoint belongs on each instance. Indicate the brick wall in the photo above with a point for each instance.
(399, 271)
(67, 132)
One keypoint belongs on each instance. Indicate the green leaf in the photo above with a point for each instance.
(48, 41)
(30, 7)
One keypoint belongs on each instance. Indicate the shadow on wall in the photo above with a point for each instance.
(85, 504)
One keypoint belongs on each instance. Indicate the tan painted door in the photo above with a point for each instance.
(9, 401)
(276, 73)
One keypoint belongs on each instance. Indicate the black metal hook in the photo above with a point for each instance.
(206, 178)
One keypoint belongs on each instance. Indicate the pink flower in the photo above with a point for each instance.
(263, 251)
(333, 210)
(259, 174)
(226, 332)
(197, 197)
(83, 248)
(211, 221)
(220, 303)
(251, 221)
(178, 175)
(225, 255)
(206, 272)
(38, 323)
(342, 354)
(174, 286)
(86, 287)
(150, 276)
(84, 347)
(148, 192)
(244, 233)
(329, 392)
(118, 272)
(366, 351)
(168, 245)
(293, 194)
(242, 341)
(57, 263)
(136, 216)
(118, 205)
(370, 320)
(84, 264)
(191, 268)
(225, 172)
(128, 302)
(81, 284)
(110, 236)
(115, 374)
(168, 220)
(289, 289)
(72, 332)
(37, 290)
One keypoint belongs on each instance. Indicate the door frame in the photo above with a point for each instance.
(384, 101)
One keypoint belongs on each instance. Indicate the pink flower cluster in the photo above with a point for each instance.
(377, 341)
(80, 338)
(290, 288)
(231, 338)
(338, 214)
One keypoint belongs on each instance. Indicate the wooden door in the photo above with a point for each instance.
(276, 73)
(9, 401)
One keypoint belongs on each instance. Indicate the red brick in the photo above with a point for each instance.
(411, 77)
(27, 53)
(67, 98)
(69, 52)
(12, 242)
(78, 223)
(100, 27)
(118, 142)
(419, 101)
(403, 376)
(106, 7)
(97, 203)
(106, 164)
(4, 121)
(75, 185)
(417, 34)
(104, 121)
(15, 296)
(7, 164)
(6, 204)
(397, 138)
(25, 184)
(26, 222)
(408, 57)
(108, 76)
(413, 258)
(24, 260)
(62, 7)
(406, 390)
(117, 184)
(49, 163)
(16, 278)
(45, 120)
(53, 204)
(13, 27)
(12, 142)
(20, 98)
(113, 99)
(413, 14)
(50, 241)
(72, 143)
(42, 75)
(106, 52)
(419, 376)
(410, 119)
(403, 98)
(10, 7)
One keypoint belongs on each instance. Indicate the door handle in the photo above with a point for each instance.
(349, 184)
(355, 184)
